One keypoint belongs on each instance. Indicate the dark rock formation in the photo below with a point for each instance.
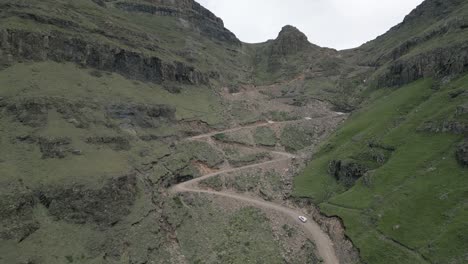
(17, 221)
(447, 126)
(462, 153)
(457, 93)
(104, 207)
(146, 116)
(462, 110)
(290, 41)
(346, 171)
(54, 147)
(405, 47)
(100, 3)
(34, 112)
(17, 44)
(116, 143)
(437, 62)
(430, 9)
(30, 112)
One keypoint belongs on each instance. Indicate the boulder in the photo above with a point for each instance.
(462, 110)
(462, 153)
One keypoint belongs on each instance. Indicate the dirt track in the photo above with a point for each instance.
(324, 245)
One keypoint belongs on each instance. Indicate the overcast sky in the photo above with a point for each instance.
(338, 24)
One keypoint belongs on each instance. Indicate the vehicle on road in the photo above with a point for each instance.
(303, 219)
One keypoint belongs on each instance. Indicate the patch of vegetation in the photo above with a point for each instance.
(280, 116)
(215, 236)
(50, 79)
(265, 136)
(215, 183)
(290, 231)
(416, 193)
(266, 184)
(295, 138)
(240, 111)
(238, 159)
(201, 151)
(239, 137)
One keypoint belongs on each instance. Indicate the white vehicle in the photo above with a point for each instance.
(308, 118)
(303, 219)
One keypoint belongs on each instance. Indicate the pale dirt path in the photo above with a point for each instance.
(322, 241)
(242, 127)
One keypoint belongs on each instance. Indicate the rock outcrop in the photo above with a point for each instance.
(34, 111)
(104, 207)
(446, 126)
(116, 143)
(55, 46)
(290, 41)
(439, 62)
(462, 153)
(346, 171)
(17, 221)
(146, 116)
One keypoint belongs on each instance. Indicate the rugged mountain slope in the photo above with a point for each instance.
(395, 171)
(122, 37)
(98, 96)
(431, 41)
(306, 71)
(96, 99)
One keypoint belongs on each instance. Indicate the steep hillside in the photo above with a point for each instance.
(188, 45)
(98, 99)
(144, 131)
(395, 172)
(431, 41)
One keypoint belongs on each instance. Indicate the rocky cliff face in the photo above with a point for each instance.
(439, 62)
(23, 45)
(290, 41)
(418, 47)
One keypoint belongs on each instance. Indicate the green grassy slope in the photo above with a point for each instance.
(413, 207)
(170, 38)
(66, 83)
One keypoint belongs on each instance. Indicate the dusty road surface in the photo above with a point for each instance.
(263, 124)
(322, 241)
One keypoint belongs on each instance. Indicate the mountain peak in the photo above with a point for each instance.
(291, 30)
(290, 41)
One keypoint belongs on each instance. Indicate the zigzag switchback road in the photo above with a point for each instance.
(322, 241)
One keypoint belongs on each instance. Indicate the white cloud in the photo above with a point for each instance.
(337, 24)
